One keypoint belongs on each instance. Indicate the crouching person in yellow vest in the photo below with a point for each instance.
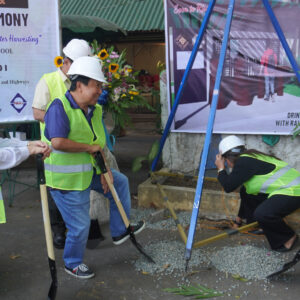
(270, 189)
(12, 153)
(73, 127)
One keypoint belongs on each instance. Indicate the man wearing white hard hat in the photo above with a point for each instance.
(270, 189)
(76, 135)
(54, 85)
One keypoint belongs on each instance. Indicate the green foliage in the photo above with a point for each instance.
(238, 277)
(199, 291)
(137, 162)
(296, 131)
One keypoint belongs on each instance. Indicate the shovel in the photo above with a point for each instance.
(286, 266)
(48, 234)
(101, 164)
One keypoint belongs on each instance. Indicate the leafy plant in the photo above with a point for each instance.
(137, 162)
(199, 291)
(296, 131)
(122, 92)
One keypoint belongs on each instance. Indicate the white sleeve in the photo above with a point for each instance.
(12, 156)
(13, 142)
(12, 152)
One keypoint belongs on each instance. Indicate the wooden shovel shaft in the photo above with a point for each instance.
(47, 227)
(170, 208)
(117, 200)
(224, 235)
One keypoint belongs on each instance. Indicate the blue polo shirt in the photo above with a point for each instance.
(56, 120)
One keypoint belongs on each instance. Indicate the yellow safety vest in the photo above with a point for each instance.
(74, 171)
(57, 89)
(2, 209)
(283, 180)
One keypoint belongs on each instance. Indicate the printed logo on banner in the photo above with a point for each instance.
(18, 103)
(181, 42)
(14, 3)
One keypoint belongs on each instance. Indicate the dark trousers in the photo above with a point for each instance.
(269, 212)
(57, 223)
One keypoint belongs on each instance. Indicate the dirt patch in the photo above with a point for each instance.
(211, 184)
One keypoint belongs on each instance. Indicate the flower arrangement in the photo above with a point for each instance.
(120, 89)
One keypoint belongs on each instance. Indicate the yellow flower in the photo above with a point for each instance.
(58, 61)
(103, 54)
(133, 92)
(117, 76)
(113, 68)
(131, 97)
(123, 95)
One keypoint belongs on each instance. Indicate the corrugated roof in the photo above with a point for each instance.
(131, 15)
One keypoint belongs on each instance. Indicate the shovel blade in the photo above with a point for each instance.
(286, 266)
(53, 287)
(139, 247)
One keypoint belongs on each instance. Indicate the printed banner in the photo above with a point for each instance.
(259, 91)
(29, 42)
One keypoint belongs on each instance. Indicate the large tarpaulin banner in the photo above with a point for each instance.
(259, 91)
(29, 42)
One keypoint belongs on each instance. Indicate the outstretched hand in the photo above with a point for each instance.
(36, 147)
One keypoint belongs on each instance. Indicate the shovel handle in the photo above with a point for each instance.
(40, 168)
(45, 207)
(100, 162)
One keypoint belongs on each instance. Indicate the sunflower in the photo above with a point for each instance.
(58, 61)
(103, 54)
(133, 92)
(113, 68)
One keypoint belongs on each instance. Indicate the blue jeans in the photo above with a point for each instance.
(121, 185)
(74, 207)
(269, 84)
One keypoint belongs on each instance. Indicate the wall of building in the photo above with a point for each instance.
(182, 150)
(143, 55)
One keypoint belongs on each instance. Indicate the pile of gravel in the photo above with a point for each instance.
(247, 261)
(169, 258)
(163, 221)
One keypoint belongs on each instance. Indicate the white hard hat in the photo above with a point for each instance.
(77, 48)
(88, 66)
(229, 143)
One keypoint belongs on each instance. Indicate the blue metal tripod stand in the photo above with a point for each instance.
(214, 104)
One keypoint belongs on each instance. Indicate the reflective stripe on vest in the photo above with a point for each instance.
(74, 170)
(57, 89)
(283, 180)
(273, 178)
(2, 209)
(69, 169)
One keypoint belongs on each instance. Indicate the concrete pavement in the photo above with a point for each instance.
(24, 271)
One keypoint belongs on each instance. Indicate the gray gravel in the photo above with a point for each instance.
(163, 220)
(247, 261)
(169, 258)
